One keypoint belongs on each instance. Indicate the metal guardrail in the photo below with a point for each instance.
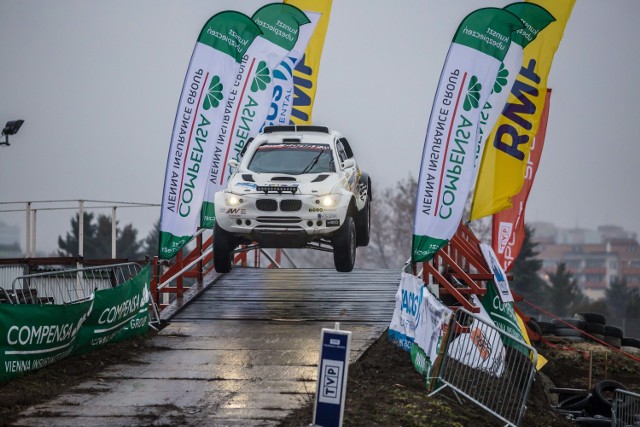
(626, 409)
(68, 286)
(476, 364)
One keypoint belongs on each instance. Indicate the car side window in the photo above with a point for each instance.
(346, 147)
(341, 153)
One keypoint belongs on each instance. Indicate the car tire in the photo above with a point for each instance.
(344, 246)
(222, 249)
(363, 224)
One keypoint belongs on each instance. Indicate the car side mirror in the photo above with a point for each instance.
(233, 165)
(348, 164)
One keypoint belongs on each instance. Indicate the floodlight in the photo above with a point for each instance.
(11, 128)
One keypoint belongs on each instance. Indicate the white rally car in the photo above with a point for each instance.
(294, 187)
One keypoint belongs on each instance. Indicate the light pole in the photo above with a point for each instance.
(11, 128)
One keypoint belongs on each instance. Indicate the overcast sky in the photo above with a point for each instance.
(97, 83)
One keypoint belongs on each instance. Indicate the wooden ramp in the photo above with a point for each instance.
(298, 295)
(244, 353)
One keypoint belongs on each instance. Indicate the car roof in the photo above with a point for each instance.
(298, 133)
(292, 134)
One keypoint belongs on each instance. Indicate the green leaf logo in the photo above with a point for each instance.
(501, 80)
(262, 79)
(214, 94)
(472, 98)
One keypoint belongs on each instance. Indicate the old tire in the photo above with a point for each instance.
(344, 246)
(567, 322)
(576, 402)
(222, 249)
(592, 317)
(568, 332)
(630, 342)
(613, 341)
(363, 224)
(613, 331)
(535, 328)
(594, 328)
(547, 328)
(603, 395)
(566, 392)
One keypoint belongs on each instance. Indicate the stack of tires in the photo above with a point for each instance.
(630, 345)
(590, 327)
(569, 328)
(594, 326)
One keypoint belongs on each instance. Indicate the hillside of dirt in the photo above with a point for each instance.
(385, 390)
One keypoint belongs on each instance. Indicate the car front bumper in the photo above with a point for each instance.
(280, 220)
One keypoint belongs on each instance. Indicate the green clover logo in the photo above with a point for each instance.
(262, 79)
(501, 80)
(214, 94)
(472, 98)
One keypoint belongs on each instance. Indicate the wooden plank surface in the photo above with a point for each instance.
(244, 353)
(298, 294)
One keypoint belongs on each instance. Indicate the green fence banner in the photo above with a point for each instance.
(118, 313)
(34, 336)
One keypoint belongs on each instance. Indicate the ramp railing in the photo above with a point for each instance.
(457, 271)
(189, 270)
(487, 366)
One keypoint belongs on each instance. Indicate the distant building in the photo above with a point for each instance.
(595, 258)
(9, 241)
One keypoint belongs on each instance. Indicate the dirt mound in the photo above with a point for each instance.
(385, 390)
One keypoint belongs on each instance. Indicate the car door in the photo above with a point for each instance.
(348, 169)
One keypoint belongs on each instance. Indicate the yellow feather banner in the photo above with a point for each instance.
(506, 153)
(306, 72)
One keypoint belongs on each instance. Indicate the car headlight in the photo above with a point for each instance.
(233, 200)
(328, 201)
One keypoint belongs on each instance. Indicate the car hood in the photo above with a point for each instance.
(311, 184)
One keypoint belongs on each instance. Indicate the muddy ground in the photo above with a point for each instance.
(383, 388)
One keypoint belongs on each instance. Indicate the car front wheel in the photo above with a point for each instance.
(222, 249)
(344, 246)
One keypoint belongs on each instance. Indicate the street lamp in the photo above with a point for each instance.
(11, 128)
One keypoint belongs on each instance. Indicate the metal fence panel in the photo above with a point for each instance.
(491, 368)
(626, 409)
(68, 286)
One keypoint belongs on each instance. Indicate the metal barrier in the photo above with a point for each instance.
(68, 286)
(626, 409)
(491, 368)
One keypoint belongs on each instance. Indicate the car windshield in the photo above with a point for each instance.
(292, 159)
